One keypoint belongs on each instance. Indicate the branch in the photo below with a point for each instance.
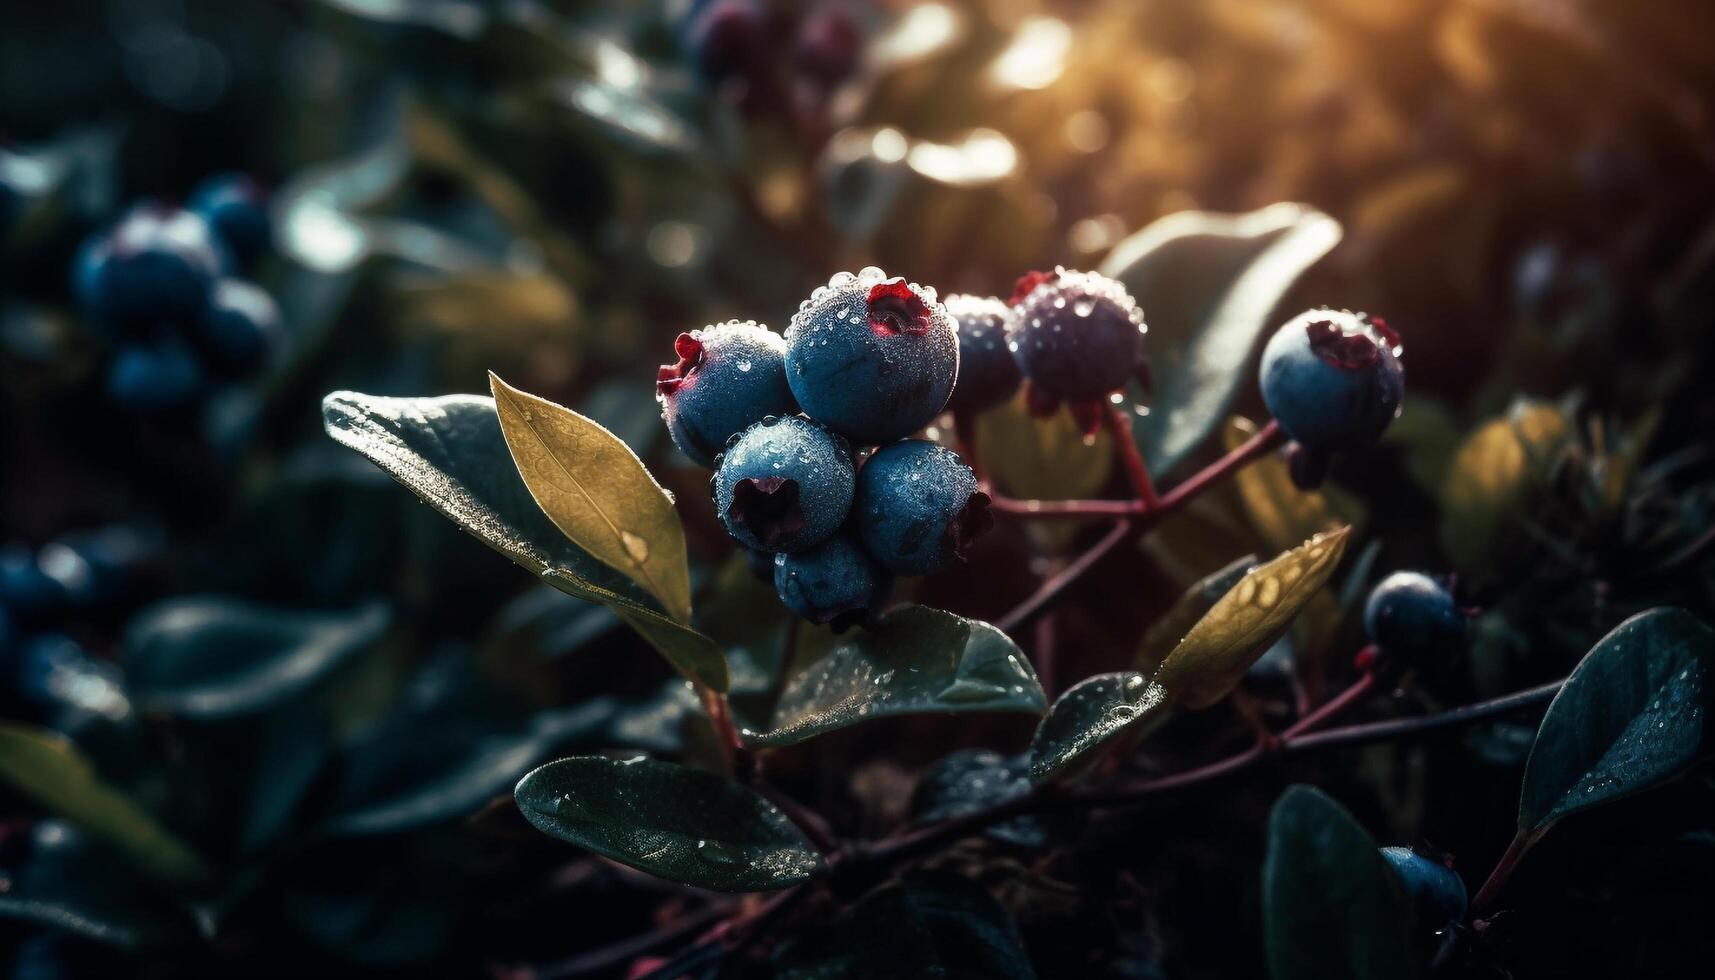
(1060, 581)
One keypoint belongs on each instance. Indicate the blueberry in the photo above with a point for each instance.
(239, 328)
(236, 208)
(917, 507)
(155, 375)
(158, 265)
(1076, 335)
(1333, 379)
(25, 586)
(728, 378)
(872, 358)
(728, 40)
(1435, 890)
(836, 582)
(828, 46)
(784, 484)
(988, 375)
(1411, 615)
(55, 670)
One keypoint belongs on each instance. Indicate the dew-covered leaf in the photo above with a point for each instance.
(974, 779)
(915, 661)
(1208, 284)
(682, 824)
(213, 657)
(1332, 908)
(49, 769)
(1246, 621)
(1165, 633)
(931, 924)
(596, 491)
(1493, 477)
(451, 453)
(1633, 714)
(1282, 513)
(1090, 715)
(66, 881)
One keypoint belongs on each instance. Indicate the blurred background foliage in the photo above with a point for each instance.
(553, 190)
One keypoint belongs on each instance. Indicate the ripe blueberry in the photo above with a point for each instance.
(1409, 614)
(1077, 336)
(728, 40)
(784, 484)
(158, 265)
(872, 358)
(728, 378)
(1333, 379)
(988, 375)
(155, 375)
(236, 208)
(828, 46)
(239, 328)
(1435, 889)
(836, 582)
(917, 507)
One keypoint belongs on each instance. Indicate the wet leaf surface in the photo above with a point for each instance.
(916, 660)
(66, 881)
(973, 779)
(1332, 909)
(211, 657)
(1090, 715)
(451, 453)
(682, 824)
(1634, 713)
(1246, 621)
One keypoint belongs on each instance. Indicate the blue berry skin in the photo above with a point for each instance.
(918, 507)
(236, 208)
(149, 377)
(1076, 335)
(988, 375)
(784, 484)
(239, 329)
(25, 586)
(1409, 614)
(728, 39)
(872, 358)
(1333, 379)
(1435, 890)
(835, 582)
(158, 265)
(728, 377)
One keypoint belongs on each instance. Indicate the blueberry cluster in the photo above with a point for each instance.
(161, 286)
(788, 424)
(1333, 380)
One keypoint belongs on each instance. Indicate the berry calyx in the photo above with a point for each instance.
(669, 377)
(895, 308)
(768, 508)
(1333, 380)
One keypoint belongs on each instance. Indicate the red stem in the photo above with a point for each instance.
(715, 704)
(1335, 705)
(1057, 583)
(1045, 654)
(1491, 890)
(1136, 470)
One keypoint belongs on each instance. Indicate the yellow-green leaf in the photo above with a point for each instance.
(1493, 478)
(596, 491)
(1283, 514)
(1043, 458)
(1246, 621)
(49, 769)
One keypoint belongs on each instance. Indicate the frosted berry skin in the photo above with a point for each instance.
(1077, 336)
(239, 329)
(988, 375)
(784, 484)
(836, 582)
(872, 358)
(1333, 379)
(158, 265)
(1409, 614)
(1435, 890)
(727, 378)
(235, 207)
(917, 507)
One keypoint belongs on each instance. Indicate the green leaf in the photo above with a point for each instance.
(46, 767)
(1332, 909)
(66, 881)
(1493, 478)
(1165, 633)
(932, 924)
(451, 453)
(209, 657)
(596, 490)
(1282, 513)
(1208, 284)
(1633, 714)
(1090, 715)
(685, 825)
(915, 661)
(1246, 621)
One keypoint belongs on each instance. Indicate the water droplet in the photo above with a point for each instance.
(719, 853)
(1269, 592)
(1084, 307)
(635, 546)
(744, 364)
